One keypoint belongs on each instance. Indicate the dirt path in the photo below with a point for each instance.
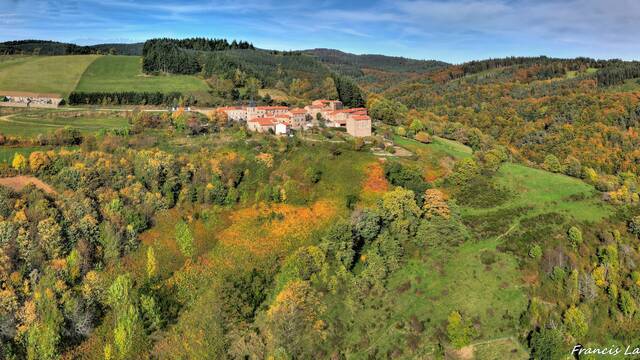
(19, 182)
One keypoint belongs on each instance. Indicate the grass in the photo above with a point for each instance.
(427, 290)
(33, 123)
(629, 85)
(545, 192)
(124, 73)
(43, 74)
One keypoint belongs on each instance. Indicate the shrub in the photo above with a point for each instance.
(184, 238)
(552, 164)
(423, 137)
(535, 252)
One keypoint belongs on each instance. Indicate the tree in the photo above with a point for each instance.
(575, 236)
(535, 252)
(329, 89)
(388, 111)
(547, 344)
(43, 336)
(252, 87)
(128, 326)
(50, 237)
(19, 162)
(435, 204)
(38, 160)
(152, 263)
(184, 238)
(634, 226)
(627, 304)
(575, 322)
(348, 92)
(459, 331)
(293, 321)
(463, 171)
(339, 243)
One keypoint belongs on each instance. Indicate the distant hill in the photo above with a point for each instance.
(352, 64)
(46, 47)
(375, 73)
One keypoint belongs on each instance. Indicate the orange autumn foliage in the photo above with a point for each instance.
(266, 229)
(375, 181)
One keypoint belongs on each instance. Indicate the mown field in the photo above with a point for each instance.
(124, 73)
(43, 74)
(33, 123)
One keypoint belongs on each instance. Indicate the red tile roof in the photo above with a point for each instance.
(272, 108)
(264, 121)
(227, 108)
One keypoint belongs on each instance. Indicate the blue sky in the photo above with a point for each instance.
(448, 30)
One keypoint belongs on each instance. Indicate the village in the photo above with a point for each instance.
(281, 119)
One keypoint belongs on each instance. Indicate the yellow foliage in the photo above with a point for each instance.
(600, 276)
(19, 162)
(38, 160)
(435, 204)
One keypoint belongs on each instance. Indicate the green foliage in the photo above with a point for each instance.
(547, 344)
(575, 322)
(152, 263)
(459, 330)
(388, 111)
(535, 252)
(627, 304)
(575, 236)
(407, 177)
(184, 239)
(552, 164)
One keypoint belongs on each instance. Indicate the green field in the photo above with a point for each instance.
(124, 73)
(43, 74)
(33, 123)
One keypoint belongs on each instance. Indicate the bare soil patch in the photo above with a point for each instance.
(19, 182)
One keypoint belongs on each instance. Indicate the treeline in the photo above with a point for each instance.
(618, 73)
(124, 98)
(182, 56)
(46, 47)
(202, 44)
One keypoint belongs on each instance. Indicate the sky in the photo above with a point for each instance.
(449, 30)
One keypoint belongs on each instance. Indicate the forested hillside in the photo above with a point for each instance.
(570, 108)
(45, 47)
(374, 72)
(494, 212)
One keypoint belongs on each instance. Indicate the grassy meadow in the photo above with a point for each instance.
(43, 74)
(32, 123)
(124, 73)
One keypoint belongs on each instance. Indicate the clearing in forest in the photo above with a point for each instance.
(115, 73)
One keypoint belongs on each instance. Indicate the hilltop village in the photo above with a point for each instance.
(281, 119)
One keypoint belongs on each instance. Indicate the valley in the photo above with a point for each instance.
(485, 210)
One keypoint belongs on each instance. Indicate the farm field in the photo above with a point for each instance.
(33, 123)
(43, 74)
(124, 73)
